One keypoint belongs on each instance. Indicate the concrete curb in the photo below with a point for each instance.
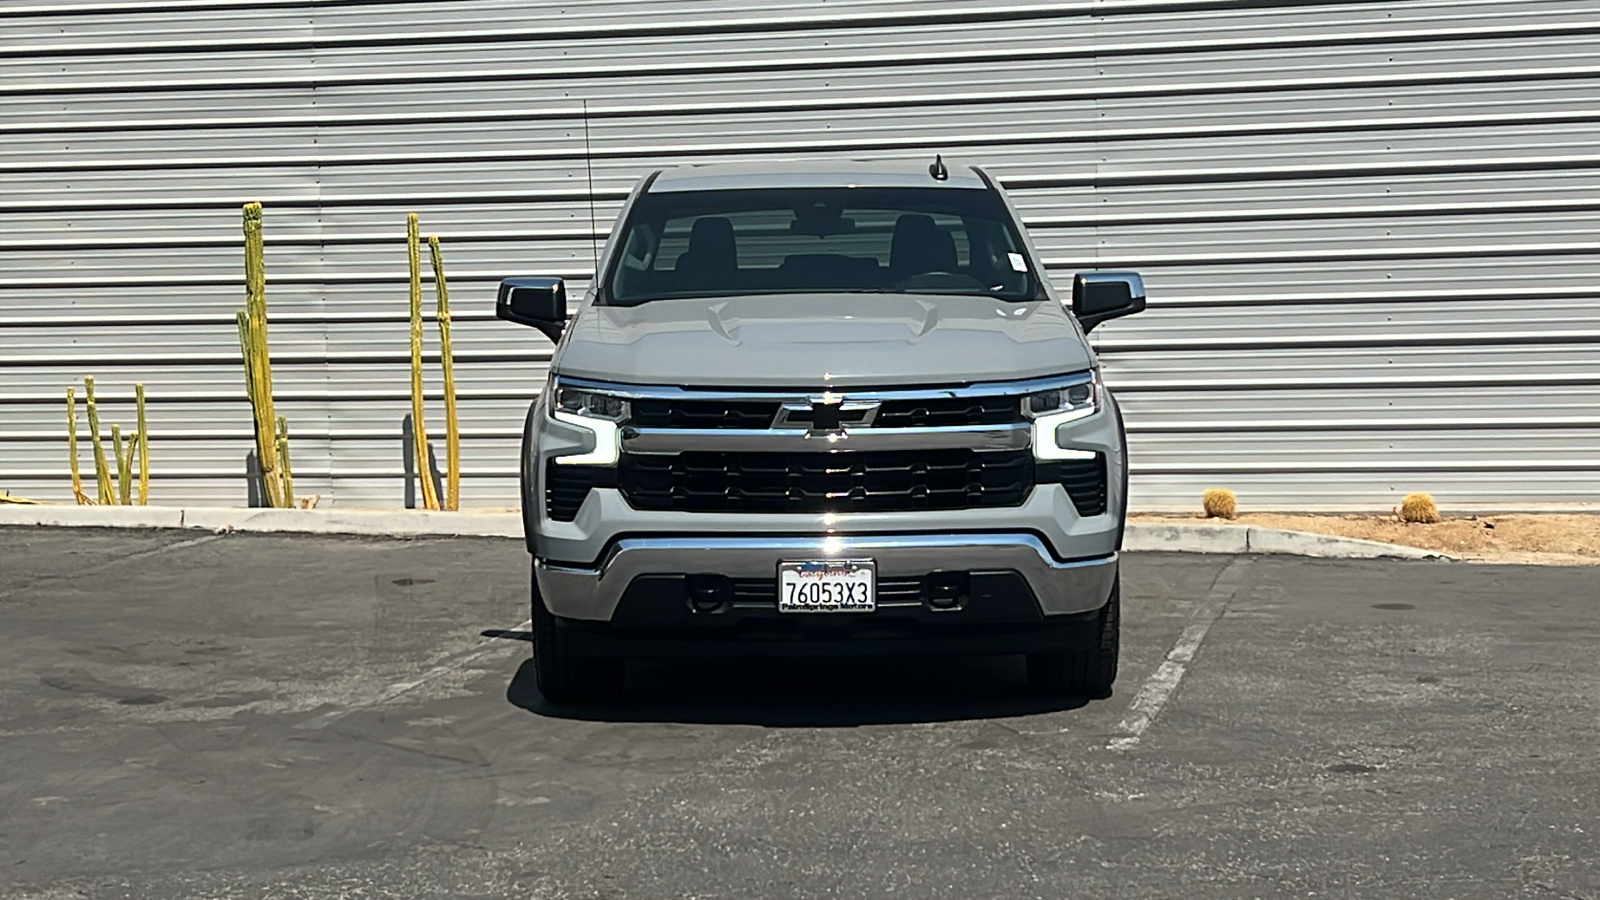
(1169, 537)
(394, 523)
(1181, 537)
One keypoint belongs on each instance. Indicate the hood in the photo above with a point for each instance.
(823, 340)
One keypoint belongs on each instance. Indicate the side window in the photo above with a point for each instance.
(638, 255)
(639, 251)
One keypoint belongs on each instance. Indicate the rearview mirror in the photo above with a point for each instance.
(822, 226)
(537, 302)
(1099, 296)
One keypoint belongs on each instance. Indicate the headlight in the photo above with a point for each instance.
(588, 403)
(598, 412)
(1050, 409)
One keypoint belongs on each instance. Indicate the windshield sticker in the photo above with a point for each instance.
(1018, 264)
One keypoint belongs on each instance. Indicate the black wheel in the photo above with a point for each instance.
(562, 677)
(1087, 671)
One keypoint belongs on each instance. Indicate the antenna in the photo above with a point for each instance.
(588, 166)
(937, 170)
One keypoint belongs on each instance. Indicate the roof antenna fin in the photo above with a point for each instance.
(937, 170)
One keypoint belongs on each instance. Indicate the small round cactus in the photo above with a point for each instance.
(1419, 508)
(1220, 503)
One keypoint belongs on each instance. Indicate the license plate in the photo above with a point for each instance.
(834, 585)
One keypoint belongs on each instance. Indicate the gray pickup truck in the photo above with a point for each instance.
(822, 410)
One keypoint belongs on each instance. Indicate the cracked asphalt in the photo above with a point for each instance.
(255, 716)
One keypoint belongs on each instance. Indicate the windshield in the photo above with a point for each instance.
(814, 240)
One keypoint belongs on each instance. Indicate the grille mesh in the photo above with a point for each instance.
(895, 481)
(826, 482)
(748, 414)
(949, 412)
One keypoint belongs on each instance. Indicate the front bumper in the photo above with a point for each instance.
(1057, 588)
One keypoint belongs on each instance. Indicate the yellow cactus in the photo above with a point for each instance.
(430, 497)
(1419, 508)
(258, 358)
(452, 429)
(283, 460)
(72, 448)
(1220, 503)
(102, 470)
(124, 479)
(144, 447)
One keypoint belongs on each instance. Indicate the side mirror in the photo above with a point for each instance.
(1099, 296)
(538, 302)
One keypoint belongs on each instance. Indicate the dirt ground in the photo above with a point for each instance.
(1563, 539)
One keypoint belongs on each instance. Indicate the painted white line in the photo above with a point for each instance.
(394, 691)
(1158, 688)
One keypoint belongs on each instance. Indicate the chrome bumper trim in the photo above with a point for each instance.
(1062, 588)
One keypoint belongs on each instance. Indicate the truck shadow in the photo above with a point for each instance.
(807, 693)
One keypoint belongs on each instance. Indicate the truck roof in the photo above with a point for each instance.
(730, 176)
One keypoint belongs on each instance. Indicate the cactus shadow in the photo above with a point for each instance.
(408, 462)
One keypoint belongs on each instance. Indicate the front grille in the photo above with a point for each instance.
(565, 487)
(889, 481)
(949, 412)
(1085, 481)
(874, 481)
(748, 414)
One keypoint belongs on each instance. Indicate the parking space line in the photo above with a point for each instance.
(1158, 688)
(449, 663)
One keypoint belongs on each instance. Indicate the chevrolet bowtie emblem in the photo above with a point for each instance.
(828, 415)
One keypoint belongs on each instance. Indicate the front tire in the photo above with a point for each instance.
(563, 677)
(1089, 671)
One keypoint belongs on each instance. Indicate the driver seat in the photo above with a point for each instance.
(712, 259)
(919, 246)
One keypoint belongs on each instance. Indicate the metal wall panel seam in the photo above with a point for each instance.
(977, 139)
(575, 33)
(834, 20)
(810, 146)
(113, 204)
(839, 63)
(610, 110)
(1397, 123)
(1126, 7)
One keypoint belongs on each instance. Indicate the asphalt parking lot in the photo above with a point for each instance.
(189, 715)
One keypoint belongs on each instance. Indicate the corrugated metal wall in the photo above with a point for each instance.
(1369, 229)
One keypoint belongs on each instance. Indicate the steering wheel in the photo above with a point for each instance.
(938, 279)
